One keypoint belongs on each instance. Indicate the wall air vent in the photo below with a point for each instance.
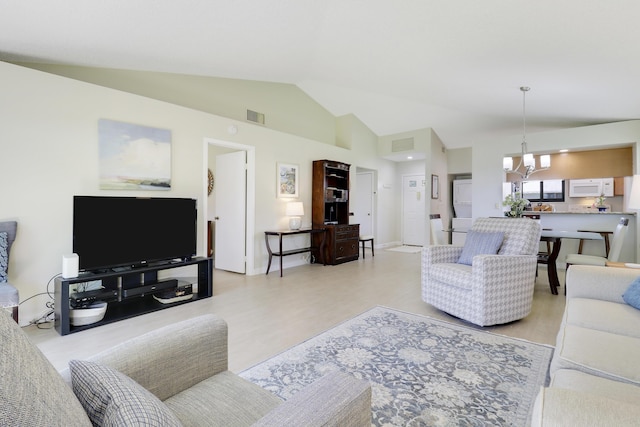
(404, 144)
(255, 117)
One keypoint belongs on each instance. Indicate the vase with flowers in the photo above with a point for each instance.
(599, 203)
(516, 204)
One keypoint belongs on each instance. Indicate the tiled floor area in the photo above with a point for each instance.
(268, 314)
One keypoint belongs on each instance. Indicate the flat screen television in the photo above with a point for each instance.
(132, 231)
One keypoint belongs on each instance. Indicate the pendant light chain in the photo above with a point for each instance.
(527, 159)
(524, 90)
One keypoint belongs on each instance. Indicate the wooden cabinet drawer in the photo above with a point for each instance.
(347, 249)
(348, 232)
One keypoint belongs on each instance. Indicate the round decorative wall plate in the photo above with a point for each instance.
(211, 181)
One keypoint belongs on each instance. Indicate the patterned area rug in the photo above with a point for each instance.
(423, 372)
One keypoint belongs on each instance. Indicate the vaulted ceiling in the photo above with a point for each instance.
(454, 66)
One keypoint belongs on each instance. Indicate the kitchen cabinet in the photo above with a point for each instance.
(618, 186)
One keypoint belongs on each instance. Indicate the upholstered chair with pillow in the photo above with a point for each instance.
(9, 297)
(490, 280)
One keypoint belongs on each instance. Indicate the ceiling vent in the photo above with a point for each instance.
(255, 117)
(405, 144)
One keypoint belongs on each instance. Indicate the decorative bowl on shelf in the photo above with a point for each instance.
(91, 314)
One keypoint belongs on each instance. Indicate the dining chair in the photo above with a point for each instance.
(363, 240)
(614, 252)
(9, 296)
(437, 230)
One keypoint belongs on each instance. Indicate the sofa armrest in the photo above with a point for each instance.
(512, 269)
(337, 399)
(563, 407)
(603, 283)
(440, 254)
(173, 358)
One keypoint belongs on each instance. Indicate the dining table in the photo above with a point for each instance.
(554, 237)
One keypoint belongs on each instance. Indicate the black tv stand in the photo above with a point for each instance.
(134, 288)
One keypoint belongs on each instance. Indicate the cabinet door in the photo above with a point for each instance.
(346, 249)
(618, 186)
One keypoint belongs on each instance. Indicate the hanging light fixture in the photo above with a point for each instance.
(527, 160)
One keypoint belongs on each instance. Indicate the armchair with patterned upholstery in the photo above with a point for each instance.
(497, 286)
(9, 297)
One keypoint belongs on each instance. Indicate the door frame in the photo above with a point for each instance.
(251, 196)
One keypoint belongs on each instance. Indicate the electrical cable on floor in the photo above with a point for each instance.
(48, 317)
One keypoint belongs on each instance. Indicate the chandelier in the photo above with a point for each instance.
(527, 161)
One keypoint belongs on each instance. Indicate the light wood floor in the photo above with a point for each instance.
(268, 314)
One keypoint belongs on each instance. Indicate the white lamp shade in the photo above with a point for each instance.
(507, 163)
(529, 160)
(295, 209)
(634, 198)
(545, 161)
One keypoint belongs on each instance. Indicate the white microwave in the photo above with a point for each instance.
(594, 187)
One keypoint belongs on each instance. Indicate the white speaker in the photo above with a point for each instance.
(70, 266)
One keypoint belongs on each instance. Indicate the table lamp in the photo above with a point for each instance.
(295, 210)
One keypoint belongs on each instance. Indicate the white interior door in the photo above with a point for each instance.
(363, 203)
(230, 215)
(413, 210)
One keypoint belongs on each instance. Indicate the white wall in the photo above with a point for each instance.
(285, 106)
(459, 161)
(49, 152)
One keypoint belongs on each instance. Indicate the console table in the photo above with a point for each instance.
(282, 253)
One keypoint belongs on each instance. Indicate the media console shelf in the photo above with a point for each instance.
(130, 292)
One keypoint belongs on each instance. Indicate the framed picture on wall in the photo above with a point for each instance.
(133, 157)
(288, 180)
(435, 187)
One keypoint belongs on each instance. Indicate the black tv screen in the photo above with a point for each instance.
(132, 231)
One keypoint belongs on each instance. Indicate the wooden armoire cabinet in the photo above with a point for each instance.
(330, 210)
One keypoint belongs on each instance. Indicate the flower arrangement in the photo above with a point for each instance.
(600, 200)
(516, 203)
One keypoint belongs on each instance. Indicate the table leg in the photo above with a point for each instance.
(321, 250)
(281, 256)
(552, 269)
(266, 239)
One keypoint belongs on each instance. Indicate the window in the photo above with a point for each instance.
(551, 190)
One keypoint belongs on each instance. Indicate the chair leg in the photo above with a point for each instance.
(363, 247)
(15, 313)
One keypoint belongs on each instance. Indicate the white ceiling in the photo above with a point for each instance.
(454, 66)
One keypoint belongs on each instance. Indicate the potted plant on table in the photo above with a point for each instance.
(516, 204)
(600, 203)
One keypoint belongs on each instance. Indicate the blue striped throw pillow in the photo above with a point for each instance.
(480, 243)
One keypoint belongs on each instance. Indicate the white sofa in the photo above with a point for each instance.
(595, 370)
